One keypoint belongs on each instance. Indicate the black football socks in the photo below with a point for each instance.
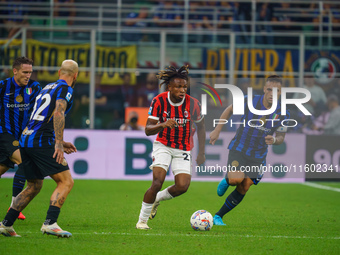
(10, 217)
(52, 215)
(230, 203)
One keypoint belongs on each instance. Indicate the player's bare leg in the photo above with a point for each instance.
(244, 186)
(182, 183)
(27, 195)
(150, 196)
(3, 169)
(20, 202)
(65, 183)
(157, 183)
(16, 157)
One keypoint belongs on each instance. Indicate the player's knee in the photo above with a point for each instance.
(156, 185)
(69, 183)
(35, 186)
(235, 181)
(182, 188)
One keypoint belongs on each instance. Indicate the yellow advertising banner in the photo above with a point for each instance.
(52, 55)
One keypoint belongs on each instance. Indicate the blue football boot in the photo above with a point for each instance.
(222, 187)
(218, 221)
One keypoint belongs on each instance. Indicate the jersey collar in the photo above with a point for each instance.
(60, 80)
(16, 84)
(175, 104)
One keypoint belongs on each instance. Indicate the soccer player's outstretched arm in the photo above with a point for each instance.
(216, 132)
(201, 142)
(278, 139)
(59, 125)
(153, 127)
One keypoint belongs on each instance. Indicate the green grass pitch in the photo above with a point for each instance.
(272, 219)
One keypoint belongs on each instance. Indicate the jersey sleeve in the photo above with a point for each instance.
(36, 90)
(65, 92)
(197, 114)
(154, 110)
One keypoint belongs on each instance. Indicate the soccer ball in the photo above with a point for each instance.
(201, 220)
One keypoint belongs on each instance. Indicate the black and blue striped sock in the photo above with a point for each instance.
(18, 182)
(230, 203)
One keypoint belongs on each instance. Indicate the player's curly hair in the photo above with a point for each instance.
(170, 73)
(20, 61)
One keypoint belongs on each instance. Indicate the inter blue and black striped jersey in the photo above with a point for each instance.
(40, 130)
(16, 104)
(250, 140)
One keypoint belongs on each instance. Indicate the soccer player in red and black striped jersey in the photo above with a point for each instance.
(17, 97)
(172, 115)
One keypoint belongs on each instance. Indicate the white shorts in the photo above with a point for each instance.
(163, 156)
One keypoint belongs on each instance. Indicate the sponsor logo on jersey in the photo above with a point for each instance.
(27, 132)
(19, 98)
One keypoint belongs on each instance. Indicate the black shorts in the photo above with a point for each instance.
(252, 167)
(39, 162)
(8, 145)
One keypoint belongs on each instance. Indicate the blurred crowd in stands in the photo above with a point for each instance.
(201, 16)
(197, 16)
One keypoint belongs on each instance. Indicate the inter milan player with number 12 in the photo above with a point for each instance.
(17, 97)
(171, 116)
(42, 150)
(249, 147)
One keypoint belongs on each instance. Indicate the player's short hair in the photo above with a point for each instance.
(170, 73)
(274, 78)
(20, 61)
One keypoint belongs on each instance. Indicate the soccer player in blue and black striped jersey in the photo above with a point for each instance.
(42, 149)
(17, 96)
(248, 149)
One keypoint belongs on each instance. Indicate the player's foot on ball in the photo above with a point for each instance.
(142, 225)
(154, 210)
(222, 187)
(8, 231)
(218, 221)
(55, 230)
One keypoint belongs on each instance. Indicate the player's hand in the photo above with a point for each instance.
(269, 139)
(59, 152)
(170, 124)
(69, 148)
(214, 136)
(200, 159)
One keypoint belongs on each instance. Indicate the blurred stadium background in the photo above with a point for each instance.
(121, 45)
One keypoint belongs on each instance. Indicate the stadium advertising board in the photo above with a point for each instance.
(126, 155)
(323, 157)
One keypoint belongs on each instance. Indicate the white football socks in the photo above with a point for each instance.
(163, 195)
(145, 212)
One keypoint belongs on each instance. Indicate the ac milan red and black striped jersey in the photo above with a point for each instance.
(184, 113)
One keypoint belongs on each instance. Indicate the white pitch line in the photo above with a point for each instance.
(319, 186)
(147, 233)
